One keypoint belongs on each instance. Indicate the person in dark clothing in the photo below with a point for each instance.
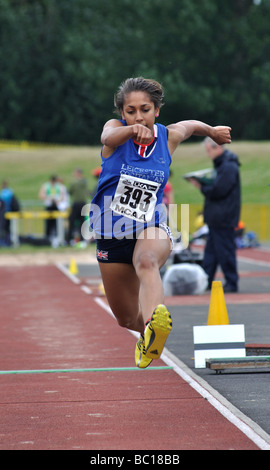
(8, 203)
(221, 213)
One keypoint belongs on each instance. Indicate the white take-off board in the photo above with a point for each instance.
(218, 341)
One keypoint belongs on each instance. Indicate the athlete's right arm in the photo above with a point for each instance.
(115, 133)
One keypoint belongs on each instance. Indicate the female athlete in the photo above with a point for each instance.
(127, 215)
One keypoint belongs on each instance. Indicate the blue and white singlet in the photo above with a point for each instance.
(130, 188)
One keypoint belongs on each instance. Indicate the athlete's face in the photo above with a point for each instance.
(139, 109)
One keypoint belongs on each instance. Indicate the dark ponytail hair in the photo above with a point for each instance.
(151, 87)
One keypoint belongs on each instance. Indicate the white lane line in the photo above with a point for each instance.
(65, 271)
(86, 290)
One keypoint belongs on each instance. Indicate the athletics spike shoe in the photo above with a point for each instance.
(157, 331)
(140, 358)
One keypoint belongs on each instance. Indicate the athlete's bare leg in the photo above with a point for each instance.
(122, 287)
(134, 291)
(151, 252)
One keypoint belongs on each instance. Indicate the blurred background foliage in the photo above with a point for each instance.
(62, 60)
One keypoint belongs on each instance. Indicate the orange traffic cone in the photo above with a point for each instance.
(217, 309)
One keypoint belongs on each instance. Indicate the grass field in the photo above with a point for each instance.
(26, 168)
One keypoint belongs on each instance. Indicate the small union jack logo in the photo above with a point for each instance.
(102, 254)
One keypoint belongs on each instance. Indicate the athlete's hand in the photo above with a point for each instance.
(222, 135)
(142, 134)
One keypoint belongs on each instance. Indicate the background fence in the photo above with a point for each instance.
(256, 218)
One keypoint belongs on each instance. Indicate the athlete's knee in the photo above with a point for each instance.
(145, 261)
(124, 316)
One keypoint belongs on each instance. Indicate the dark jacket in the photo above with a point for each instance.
(223, 197)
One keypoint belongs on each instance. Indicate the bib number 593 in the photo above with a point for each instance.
(133, 196)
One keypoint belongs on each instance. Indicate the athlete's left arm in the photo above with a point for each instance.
(183, 130)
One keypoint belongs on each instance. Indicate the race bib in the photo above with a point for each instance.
(135, 198)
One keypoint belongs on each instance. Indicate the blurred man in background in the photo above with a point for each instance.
(221, 213)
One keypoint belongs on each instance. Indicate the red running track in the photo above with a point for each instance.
(48, 322)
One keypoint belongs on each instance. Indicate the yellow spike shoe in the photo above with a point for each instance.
(157, 331)
(141, 360)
